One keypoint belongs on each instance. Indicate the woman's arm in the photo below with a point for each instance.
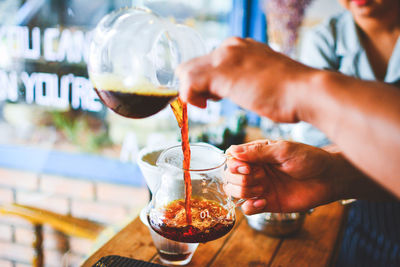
(353, 183)
(364, 121)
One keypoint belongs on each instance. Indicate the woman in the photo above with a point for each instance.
(362, 42)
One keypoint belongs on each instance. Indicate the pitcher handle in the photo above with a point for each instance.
(238, 201)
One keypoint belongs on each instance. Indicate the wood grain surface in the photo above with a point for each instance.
(314, 245)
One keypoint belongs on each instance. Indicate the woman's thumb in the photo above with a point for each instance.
(256, 152)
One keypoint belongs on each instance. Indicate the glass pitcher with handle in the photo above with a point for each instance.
(212, 211)
(132, 60)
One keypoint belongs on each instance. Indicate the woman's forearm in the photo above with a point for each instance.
(361, 118)
(349, 182)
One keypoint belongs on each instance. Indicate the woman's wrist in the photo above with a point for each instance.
(349, 182)
(305, 92)
(344, 178)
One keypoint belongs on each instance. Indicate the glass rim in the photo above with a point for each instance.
(202, 145)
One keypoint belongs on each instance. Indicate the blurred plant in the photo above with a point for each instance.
(81, 129)
(231, 132)
(284, 19)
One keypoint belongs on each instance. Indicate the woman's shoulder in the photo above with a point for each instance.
(319, 46)
(334, 26)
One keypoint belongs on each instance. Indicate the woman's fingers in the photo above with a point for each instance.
(238, 167)
(254, 206)
(244, 192)
(261, 152)
(266, 203)
(195, 81)
(245, 175)
(244, 180)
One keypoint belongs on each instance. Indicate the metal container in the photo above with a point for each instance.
(276, 224)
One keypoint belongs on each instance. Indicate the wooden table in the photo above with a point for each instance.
(315, 245)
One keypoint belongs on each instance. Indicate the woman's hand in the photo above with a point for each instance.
(281, 176)
(250, 74)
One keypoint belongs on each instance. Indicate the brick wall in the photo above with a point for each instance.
(109, 204)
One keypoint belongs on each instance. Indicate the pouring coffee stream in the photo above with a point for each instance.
(132, 59)
(180, 111)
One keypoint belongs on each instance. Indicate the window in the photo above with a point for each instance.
(60, 150)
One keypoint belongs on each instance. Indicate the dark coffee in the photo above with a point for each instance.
(174, 256)
(210, 221)
(136, 105)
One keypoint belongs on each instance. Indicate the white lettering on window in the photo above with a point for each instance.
(31, 52)
(29, 83)
(46, 88)
(71, 46)
(49, 43)
(14, 40)
(84, 96)
(8, 86)
(62, 100)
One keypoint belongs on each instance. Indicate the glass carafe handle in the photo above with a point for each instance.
(238, 201)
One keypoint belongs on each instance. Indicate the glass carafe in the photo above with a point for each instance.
(132, 60)
(213, 212)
